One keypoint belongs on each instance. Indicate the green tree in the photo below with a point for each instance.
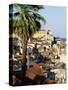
(27, 22)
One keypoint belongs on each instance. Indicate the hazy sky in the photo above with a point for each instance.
(55, 20)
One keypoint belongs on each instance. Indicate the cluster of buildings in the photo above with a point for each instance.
(43, 38)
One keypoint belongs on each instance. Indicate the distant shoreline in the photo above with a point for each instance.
(60, 38)
(64, 39)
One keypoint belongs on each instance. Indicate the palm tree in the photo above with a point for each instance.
(27, 22)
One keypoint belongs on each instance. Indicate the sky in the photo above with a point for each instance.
(55, 17)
